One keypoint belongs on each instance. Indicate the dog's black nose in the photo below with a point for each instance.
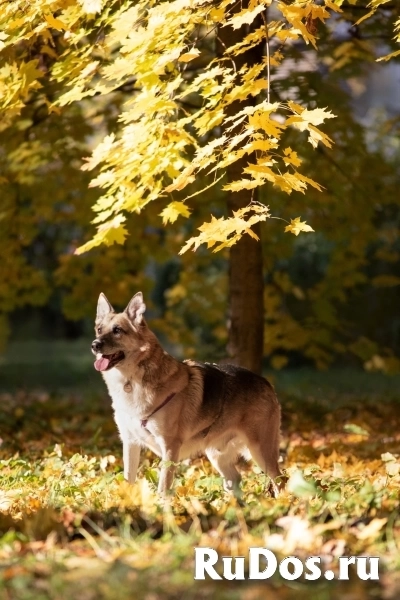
(97, 345)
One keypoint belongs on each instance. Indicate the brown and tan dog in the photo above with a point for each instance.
(181, 409)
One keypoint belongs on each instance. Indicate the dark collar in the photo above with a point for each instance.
(143, 422)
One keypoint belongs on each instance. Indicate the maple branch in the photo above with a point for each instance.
(226, 57)
(228, 12)
(323, 152)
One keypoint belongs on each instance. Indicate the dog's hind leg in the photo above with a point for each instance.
(264, 448)
(224, 463)
(131, 456)
(268, 464)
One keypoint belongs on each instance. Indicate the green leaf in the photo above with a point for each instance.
(352, 428)
(300, 487)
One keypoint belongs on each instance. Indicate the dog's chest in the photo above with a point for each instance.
(128, 395)
(129, 400)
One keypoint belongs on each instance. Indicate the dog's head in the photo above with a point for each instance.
(118, 335)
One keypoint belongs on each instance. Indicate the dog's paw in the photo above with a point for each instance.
(272, 489)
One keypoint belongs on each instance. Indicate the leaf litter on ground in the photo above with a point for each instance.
(69, 523)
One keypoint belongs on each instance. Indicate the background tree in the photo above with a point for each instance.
(246, 281)
(149, 79)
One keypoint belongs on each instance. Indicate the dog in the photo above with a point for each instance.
(182, 409)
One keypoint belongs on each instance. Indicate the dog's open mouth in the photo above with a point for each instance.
(108, 361)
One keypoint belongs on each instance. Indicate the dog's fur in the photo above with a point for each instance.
(181, 409)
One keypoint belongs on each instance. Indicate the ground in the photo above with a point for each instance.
(70, 526)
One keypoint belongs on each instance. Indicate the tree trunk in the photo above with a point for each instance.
(246, 304)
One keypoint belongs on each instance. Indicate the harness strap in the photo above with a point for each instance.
(206, 431)
(143, 422)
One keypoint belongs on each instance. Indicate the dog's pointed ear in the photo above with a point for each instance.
(136, 308)
(103, 307)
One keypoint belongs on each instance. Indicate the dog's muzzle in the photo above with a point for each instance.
(104, 362)
(97, 346)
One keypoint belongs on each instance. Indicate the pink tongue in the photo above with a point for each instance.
(102, 363)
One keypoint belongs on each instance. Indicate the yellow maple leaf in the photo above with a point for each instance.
(217, 14)
(243, 184)
(91, 6)
(295, 15)
(173, 211)
(55, 23)
(309, 117)
(316, 135)
(306, 120)
(182, 180)
(264, 121)
(30, 73)
(333, 6)
(245, 17)
(226, 232)
(291, 157)
(188, 56)
(111, 232)
(296, 108)
(388, 56)
(296, 226)
(311, 182)
(3, 36)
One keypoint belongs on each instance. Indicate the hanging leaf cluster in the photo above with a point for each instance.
(169, 130)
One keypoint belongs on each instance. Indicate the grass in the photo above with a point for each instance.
(50, 366)
(68, 365)
(70, 526)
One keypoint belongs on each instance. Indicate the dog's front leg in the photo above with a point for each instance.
(170, 456)
(131, 456)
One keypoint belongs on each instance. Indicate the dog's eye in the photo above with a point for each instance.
(99, 330)
(117, 329)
